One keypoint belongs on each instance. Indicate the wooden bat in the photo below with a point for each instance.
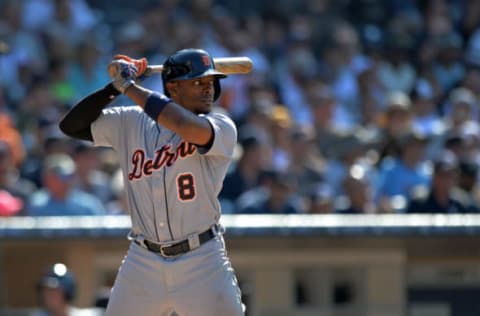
(227, 65)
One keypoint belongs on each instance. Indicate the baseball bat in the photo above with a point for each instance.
(227, 65)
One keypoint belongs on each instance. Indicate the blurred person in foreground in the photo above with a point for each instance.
(56, 291)
(441, 196)
(58, 197)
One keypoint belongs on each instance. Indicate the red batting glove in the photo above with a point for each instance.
(141, 64)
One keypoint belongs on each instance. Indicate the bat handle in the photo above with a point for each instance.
(153, 69)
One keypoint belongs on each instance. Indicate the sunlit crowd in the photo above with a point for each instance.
(349, 108)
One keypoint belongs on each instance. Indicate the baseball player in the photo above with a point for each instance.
(174, 153)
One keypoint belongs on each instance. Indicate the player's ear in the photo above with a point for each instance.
(172, 88)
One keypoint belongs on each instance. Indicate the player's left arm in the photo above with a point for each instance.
(77, 121)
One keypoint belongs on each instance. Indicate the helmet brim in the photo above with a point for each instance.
(209, 72)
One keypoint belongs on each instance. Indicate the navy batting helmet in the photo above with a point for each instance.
(58, 276)
(190, 63)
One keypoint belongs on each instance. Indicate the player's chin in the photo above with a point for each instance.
(205, 106)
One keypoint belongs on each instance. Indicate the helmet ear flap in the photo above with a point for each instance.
(165, 90)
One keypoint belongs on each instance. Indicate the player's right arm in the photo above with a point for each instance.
(191, 127)
(76, 123)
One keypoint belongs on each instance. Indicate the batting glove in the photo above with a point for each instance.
(141, 64)
(123, 74)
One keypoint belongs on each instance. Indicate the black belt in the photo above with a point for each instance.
(181, 247)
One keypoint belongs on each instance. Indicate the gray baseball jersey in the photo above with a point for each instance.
(172, 188)
(153, 157)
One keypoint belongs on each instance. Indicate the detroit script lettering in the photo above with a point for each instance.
(163, 157)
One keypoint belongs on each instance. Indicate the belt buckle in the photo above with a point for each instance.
(162, 251)
(193, 241)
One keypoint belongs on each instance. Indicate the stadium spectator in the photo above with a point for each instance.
(298, 68)
(447, 67)
(358, 193)
(468, 182)
(462, 109)
(458, 143)
(262, 98)
(320, 200)
(307, 165)
(337, 66)
(9, 204)
(342, 59)
(350, 149)
(23, 54)
(245, 172)
(58, 196)
(397, 118)
(327, 119)
(89, 176)
(396, 72)
(426, 115)
(371, 98)
(275, 195)
(11, 135)
(440, 196)
(281, 124)
(86, 71)
(400, 174)
(15, 190)
(45, 139)
(118, 204)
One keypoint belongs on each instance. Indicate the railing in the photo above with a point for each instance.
(254, 225)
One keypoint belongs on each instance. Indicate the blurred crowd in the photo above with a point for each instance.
(352, 107)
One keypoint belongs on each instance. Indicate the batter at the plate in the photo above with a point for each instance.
(174, 153)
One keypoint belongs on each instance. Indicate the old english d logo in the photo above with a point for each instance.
(206, 60)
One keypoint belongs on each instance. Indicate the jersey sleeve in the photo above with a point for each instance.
(224, 136)
(107, 129)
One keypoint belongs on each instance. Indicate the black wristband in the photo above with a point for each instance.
(155, 104)
(109, 88)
